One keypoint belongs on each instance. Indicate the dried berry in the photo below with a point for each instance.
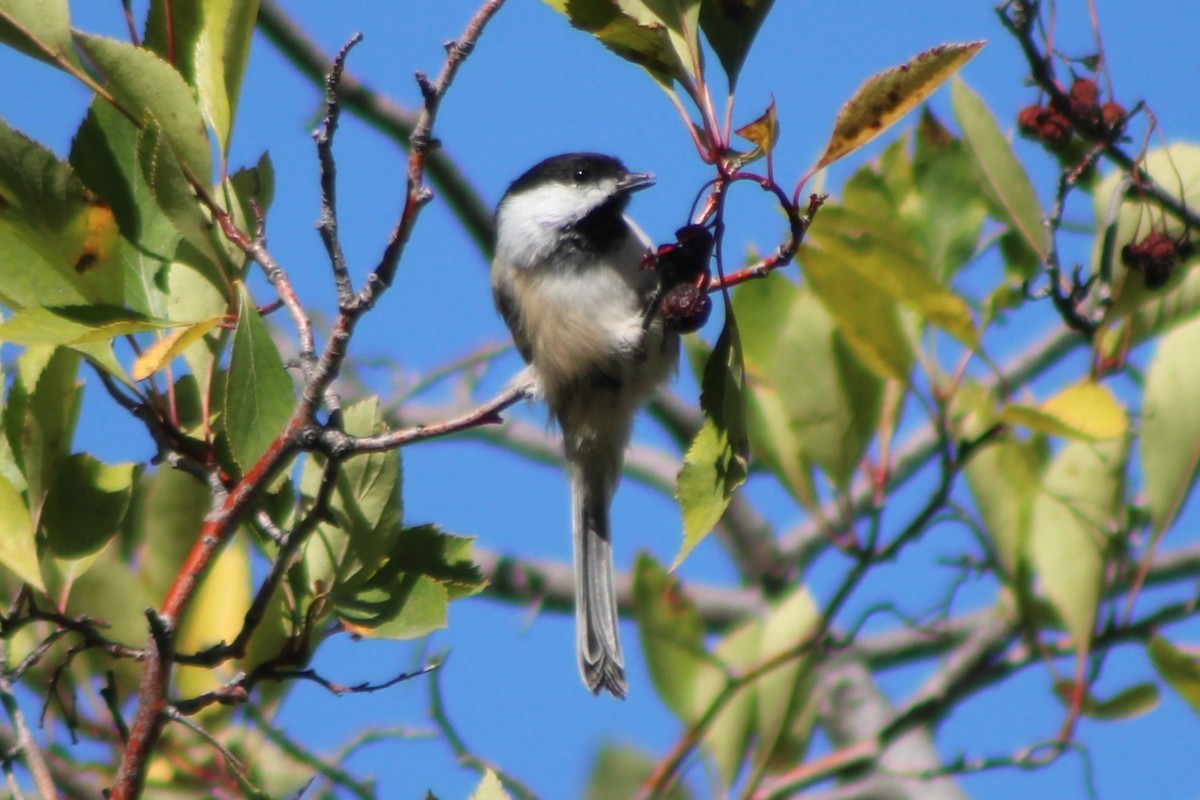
(685, 308)
(1045, 125)
(1056, 131)
(1155, 256)
(685, 261)
(1085, 100)
(1113, 116)
(1029, 120)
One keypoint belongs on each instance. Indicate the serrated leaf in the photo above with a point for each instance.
(258, 392)
(58, 243)
(142, 83)
(490, 788)
(1014, 200)
(1170, 440)
(730, 27)
(648, 46)
(1072, 519)
(38, 28)
(1179, 670)
(409, 595)
(716, 464)
(887, 96)
(672, 636)
(18, 549)
(85, 505)
(1087, 411)
(165, 350)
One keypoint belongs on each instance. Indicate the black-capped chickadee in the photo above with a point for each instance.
(570, 282)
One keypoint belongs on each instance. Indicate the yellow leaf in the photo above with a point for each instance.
(1086, 411)
(159, 354)
(762, 132)
(886, 97)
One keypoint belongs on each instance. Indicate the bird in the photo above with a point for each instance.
(570, 279)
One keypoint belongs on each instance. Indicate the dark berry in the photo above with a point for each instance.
(685, 308)
(1113, 116)
(1085, 100)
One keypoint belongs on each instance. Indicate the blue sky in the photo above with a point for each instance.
(533, 88)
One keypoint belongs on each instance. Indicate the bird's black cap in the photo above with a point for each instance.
(580, 168)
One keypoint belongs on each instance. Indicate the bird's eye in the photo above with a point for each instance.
(581, 175)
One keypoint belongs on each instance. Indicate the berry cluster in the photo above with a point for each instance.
(683, 278)
(1155, 256)
(1054, 125)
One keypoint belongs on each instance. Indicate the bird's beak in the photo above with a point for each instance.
(633, 181)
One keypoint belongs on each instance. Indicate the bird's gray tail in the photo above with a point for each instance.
(600, 659)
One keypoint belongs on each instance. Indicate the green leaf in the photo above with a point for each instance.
(38, 28)
(832, 400)
(1079, 505)
(647, 45)
(258, 392)
(142, 83)
(85, 505)
(947, 208)
(222, 51)
(1005, 181)
(1004, 479)
(887, 96)
(167, 510)
(209, 43)
(80, 324)
(868, 318)
(18, 548)
(784, 693)
(1170, 440)
(763, 309)
(1133, 702)
(104, 156)
(619, 771)
(58, 243)
(728, 739)
(409, 595)
(490, 788)
(43, 407)
(1087, 411)
(216, 614)
(1179, 670)
(716, 463)
(883, 255)
(163, 173)
(730, 27)
(672, 636)
(366, 504)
